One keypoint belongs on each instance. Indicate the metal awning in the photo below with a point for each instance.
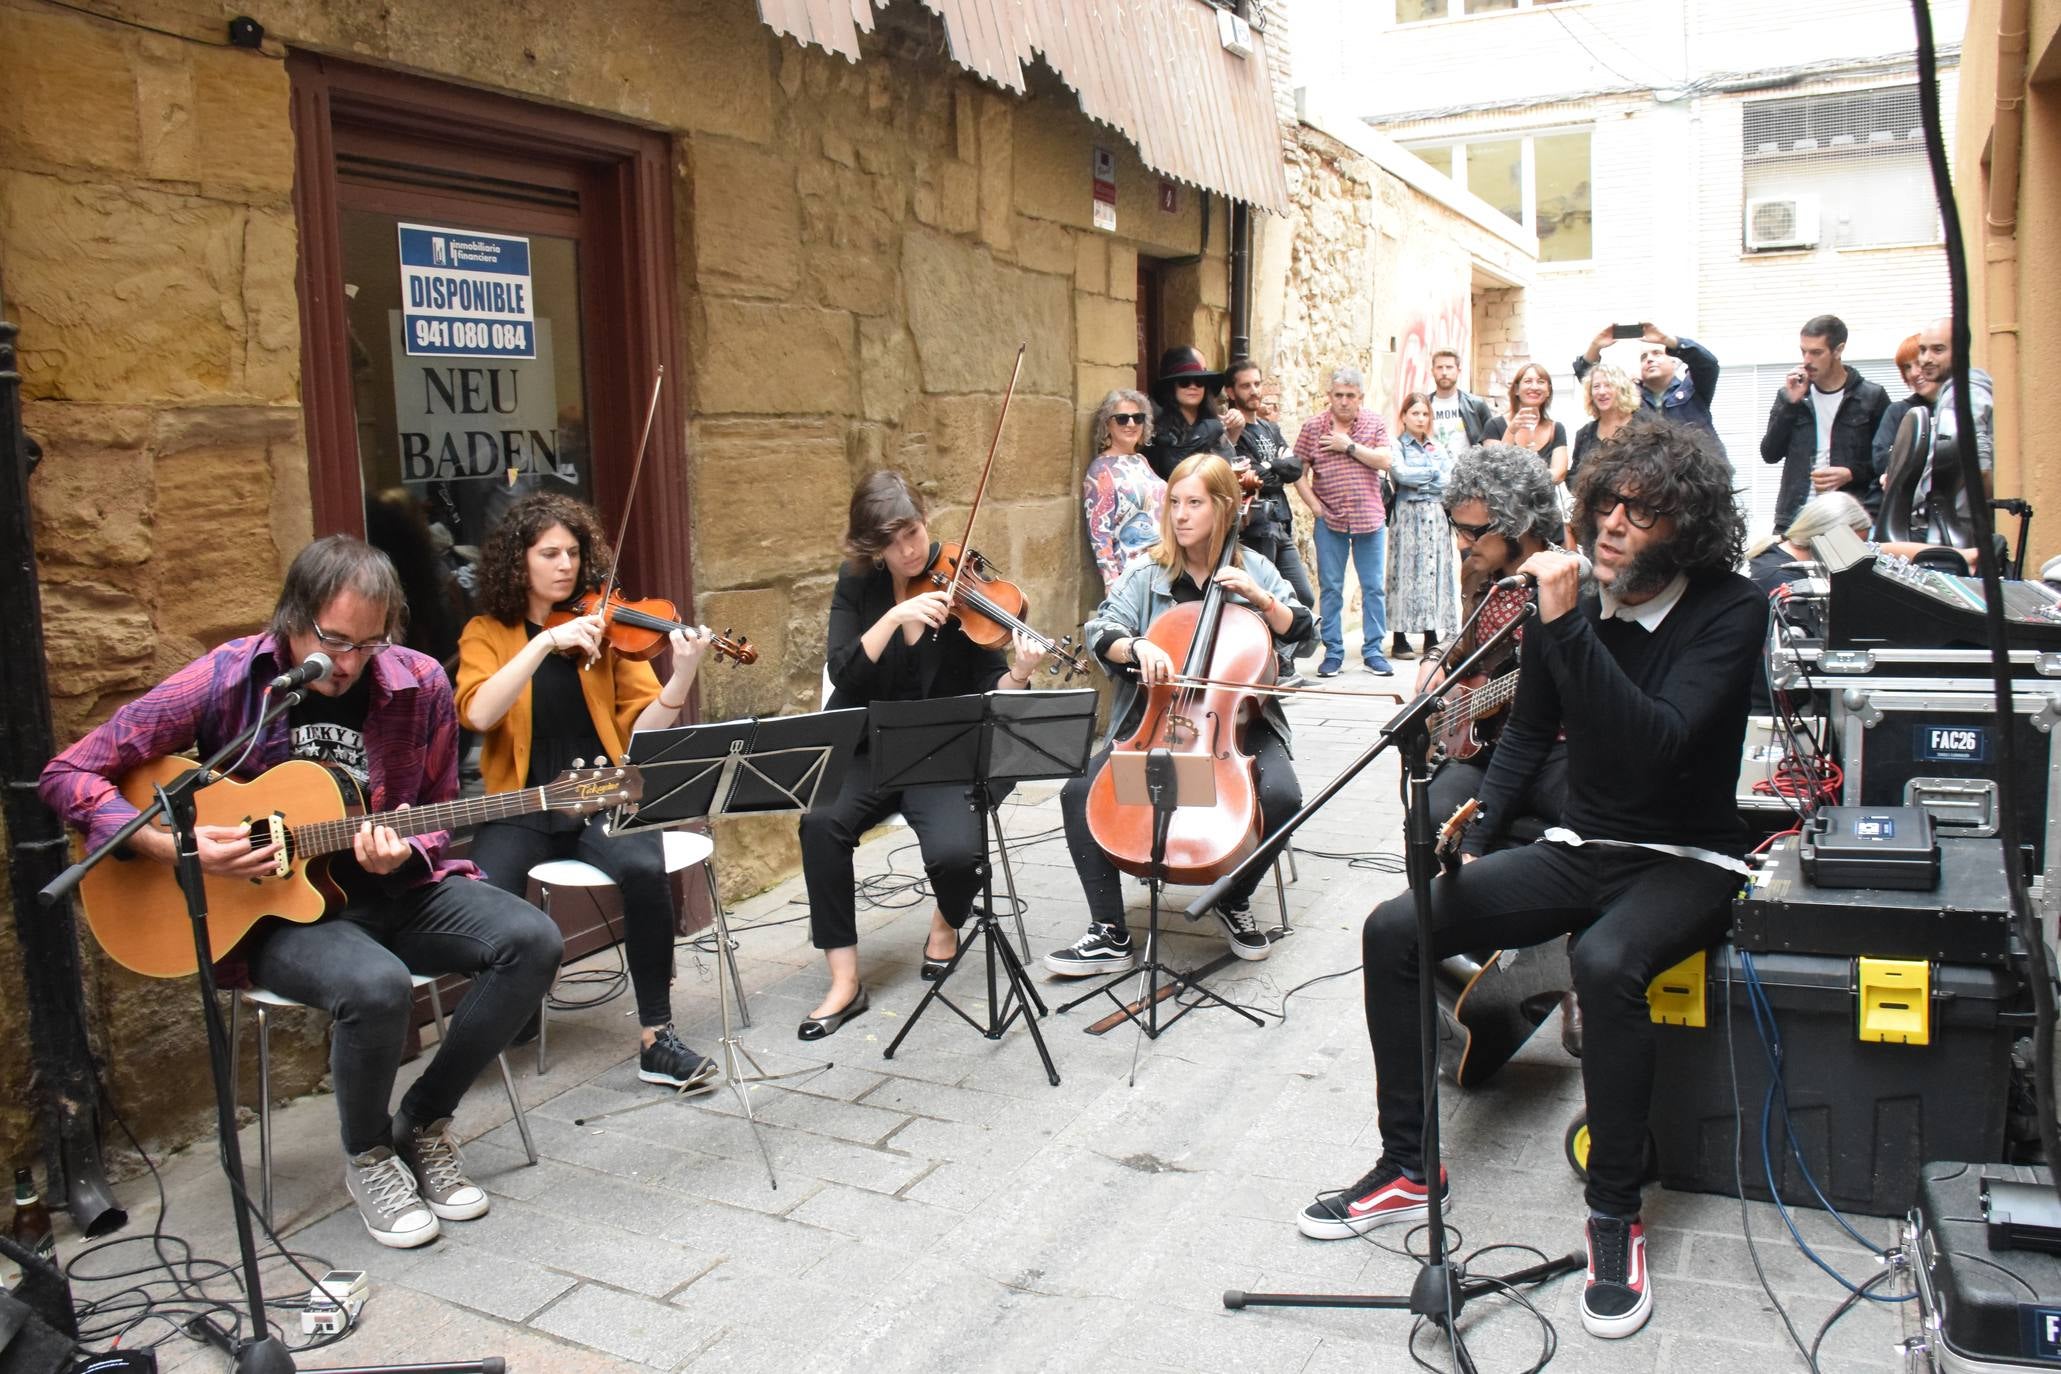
(1154, 70)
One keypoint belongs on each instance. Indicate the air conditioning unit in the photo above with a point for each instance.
(1781, 222)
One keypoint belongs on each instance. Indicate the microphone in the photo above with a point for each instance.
(315, 665)
(1516, 582)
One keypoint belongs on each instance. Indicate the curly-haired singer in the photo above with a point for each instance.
(1647, 678)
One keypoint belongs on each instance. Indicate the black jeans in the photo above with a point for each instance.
(355, 966)
(1638, 912)
(1280, 796)
(947, 833)
(1277, 546)
(636, 863)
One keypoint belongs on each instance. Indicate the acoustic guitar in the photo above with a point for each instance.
(1490, 1005)
(138, 912)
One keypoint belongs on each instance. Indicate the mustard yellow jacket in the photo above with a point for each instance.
(617, 690)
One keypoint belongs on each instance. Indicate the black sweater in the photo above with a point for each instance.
(1655, 721)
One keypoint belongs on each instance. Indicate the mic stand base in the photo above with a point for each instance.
(1442, 1289)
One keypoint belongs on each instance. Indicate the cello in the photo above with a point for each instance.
(1226, 657)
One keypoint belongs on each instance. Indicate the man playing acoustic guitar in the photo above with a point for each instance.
(384, 715)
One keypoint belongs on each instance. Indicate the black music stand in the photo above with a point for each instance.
(696, 774)
(1167, 782)
(980, 742)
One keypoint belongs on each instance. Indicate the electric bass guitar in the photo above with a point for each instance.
(1489, 1005)
(1452, 726)
(137, 909)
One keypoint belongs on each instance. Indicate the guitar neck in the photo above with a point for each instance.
(1482, 701)
(335, 836)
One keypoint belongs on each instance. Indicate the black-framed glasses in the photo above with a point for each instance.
(1641, 515)
(337, 644)
(1128, 417)
(1471, 531)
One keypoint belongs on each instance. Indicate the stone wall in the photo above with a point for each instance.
(861, 248)
(1380, 275)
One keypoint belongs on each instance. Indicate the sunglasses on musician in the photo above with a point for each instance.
(1471, 531)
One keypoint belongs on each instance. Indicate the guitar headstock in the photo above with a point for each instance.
(1456, 826)
(583, 791)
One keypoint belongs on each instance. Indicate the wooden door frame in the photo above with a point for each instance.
(624, 174)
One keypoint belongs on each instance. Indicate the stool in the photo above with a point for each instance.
(683, 849)
(262, 1003)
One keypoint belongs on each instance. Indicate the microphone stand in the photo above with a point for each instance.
(263, 1352)
(1442, 1288)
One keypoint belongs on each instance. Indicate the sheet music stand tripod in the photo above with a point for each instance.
(750, 767)
(980, 742)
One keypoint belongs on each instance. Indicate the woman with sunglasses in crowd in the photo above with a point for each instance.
(1121, 492)
(1187, 416)
(543, 698)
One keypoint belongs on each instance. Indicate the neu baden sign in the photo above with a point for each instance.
(466, 294)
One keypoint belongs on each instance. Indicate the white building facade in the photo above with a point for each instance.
(1723, 168)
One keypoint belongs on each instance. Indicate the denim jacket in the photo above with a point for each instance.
(1420, 470)
(1142, 595)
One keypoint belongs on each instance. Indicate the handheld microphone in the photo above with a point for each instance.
(315, 665)
(1516, 582)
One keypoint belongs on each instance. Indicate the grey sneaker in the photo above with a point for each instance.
(387, 1199)
(1247, 940)
(432, 1156)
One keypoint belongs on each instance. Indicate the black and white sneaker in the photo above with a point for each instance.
(669, 1061)
(1618, 1296)
(1104, 949)
(1248, 941)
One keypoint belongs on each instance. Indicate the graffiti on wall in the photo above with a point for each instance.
(1448, 324)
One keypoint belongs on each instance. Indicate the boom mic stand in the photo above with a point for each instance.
(1442, 1288)
(263, 1353)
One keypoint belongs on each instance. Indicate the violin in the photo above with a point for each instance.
(989, 609)
(638, 629)
(1227, 653)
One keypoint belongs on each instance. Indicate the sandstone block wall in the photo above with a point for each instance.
(861, 248)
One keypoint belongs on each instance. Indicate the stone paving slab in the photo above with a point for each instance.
(949, 1209)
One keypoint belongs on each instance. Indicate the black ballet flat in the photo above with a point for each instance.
(819, 1027)
(934, 969)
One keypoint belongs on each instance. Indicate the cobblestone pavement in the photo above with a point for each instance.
(949, 1209)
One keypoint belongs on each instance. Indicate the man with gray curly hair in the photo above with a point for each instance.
(1500, 504)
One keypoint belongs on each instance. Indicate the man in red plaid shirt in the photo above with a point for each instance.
(1344, 452)
(383, 715)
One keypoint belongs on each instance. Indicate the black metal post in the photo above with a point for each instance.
(66, 1084)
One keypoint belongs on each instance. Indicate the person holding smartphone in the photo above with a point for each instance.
(1677, 376)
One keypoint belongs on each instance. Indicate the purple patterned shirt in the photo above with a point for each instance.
(411, 739)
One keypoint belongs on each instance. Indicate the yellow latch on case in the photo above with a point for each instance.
(1895, 998)
(1675, 996)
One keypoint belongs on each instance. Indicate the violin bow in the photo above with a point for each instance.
(981, 490)
(612, 582)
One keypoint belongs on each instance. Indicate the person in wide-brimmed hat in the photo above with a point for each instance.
(1186, 400)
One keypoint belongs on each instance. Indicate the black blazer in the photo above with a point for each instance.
(948, 664)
